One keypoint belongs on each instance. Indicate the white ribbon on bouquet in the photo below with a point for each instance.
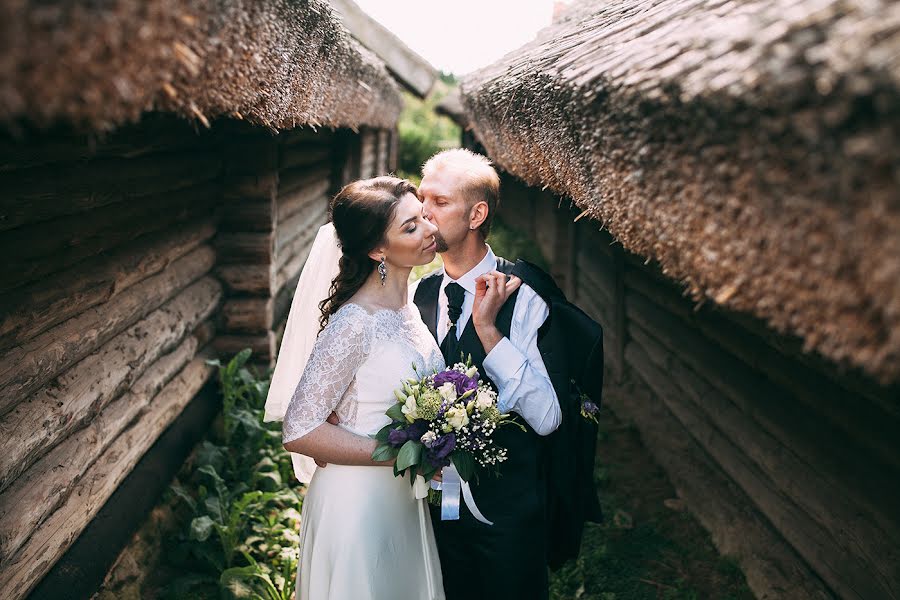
(450, 487)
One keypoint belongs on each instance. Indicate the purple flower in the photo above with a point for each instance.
(417, 429)
(397, 437)
(438, 454)
(460, 380)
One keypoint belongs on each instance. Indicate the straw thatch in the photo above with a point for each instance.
(277, 63)
(752, 149)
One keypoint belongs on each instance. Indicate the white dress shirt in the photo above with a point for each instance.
(515, 364)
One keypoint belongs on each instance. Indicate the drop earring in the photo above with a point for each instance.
(382, 270)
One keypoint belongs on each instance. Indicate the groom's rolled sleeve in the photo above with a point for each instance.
(516, 366)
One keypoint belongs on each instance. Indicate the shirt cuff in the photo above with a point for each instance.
(501, 365)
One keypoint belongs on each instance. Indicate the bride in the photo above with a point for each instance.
(355, 337)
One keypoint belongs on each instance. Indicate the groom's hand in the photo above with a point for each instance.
(334, 420)
(491, 292)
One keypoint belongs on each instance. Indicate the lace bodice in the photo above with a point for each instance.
(357, 362)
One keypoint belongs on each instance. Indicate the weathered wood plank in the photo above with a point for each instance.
(245, 247)
(736, 527)
(46, 485)
(293, 202)
(303, 225)
(303, 155)
(291, 180)
(30, 195)
(27, 367)
(300, 135)
(247, 215)
(48, 247)
(261, 186)
(32, 310)
(291, 268)
(263, 346)
(56, 534)
(37, 424)
(258, 279)
(836, 538)
(871, 484)
(248, 315)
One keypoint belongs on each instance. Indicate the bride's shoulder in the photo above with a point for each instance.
(348, 317)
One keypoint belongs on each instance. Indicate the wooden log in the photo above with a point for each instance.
(204, 332)
(737, 529)
(301, 226)
(870, 484)
(245, 247)
(292, 180)
(291, 268)
(248, 315)
(153, 134)
(32, 195)
(32, 310)
(850, 552)
(37, 424)
(293, 202)
(383, 150)
(304, 155)
(262, 346)
(247, 215)
(252, 155)
(256, 279)
(29, 366)
(40, 250)
(873, 419)
(258, 186)
(46, 485)
(59, 531)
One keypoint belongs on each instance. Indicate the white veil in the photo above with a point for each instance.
(301, 331)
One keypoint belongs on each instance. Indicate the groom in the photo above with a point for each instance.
(473, 307)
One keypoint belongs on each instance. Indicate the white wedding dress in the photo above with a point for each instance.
(364, 535)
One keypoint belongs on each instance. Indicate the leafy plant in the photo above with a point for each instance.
(239, 510)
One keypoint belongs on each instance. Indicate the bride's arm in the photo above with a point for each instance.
(336, 356)
(329, 443)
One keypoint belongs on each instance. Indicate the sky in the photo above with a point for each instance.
(460, 36)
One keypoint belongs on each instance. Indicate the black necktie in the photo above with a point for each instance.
(450, 345)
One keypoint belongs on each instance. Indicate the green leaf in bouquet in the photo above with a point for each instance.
(465, 464)
(382, 435)
(396, 413)
(410, 454)
(384, 452)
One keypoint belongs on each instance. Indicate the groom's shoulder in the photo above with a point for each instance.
(427, 280)
(538, 280)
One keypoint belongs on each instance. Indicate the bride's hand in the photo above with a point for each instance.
(439, 476)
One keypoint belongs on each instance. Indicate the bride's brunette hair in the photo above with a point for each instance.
(361, 213)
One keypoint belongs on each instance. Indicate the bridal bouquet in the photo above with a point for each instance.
(443, 418)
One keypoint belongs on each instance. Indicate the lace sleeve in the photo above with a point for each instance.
(337, 354)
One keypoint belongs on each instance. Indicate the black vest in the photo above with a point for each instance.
(518, 493)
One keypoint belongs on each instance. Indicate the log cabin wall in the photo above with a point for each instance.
(792, 464)
(132, 260)
(106, 308)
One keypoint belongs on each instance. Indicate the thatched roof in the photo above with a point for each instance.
(451, 106)
(277, 63)
(752, 149)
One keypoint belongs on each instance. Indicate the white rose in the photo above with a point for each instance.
(410, 409)
(484, 399)
(428, 438)
(457, 418)
(448, 392)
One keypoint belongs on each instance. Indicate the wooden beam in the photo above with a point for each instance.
(31, 310)
(245, 247)
(292, 180)
(59, 531)
(303, 224)
(256, 279)
(737, 529)
(304, 155)
(262, 346)
(40, 422)
(248, 315)
(47, 484)
(49, 247)
(30, 195)
(293, 202)
(29, 366)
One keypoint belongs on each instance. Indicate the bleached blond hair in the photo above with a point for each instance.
(478, 180)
